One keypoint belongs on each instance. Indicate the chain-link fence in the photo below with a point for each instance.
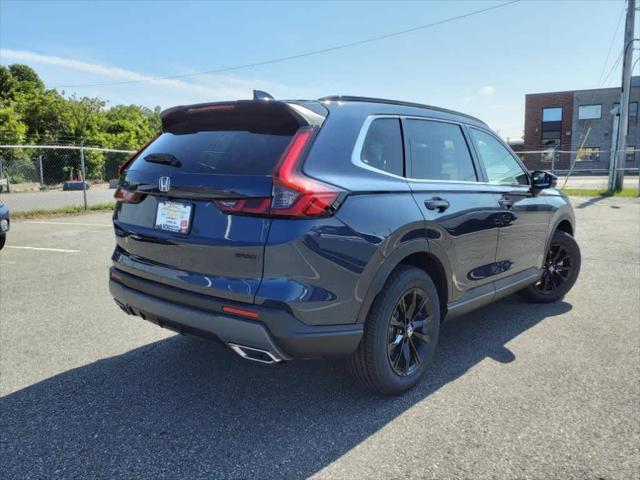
(50, 166)
(586, 168)
(62, 175)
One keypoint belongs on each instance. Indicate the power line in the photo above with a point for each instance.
(613, 68)
(604, 67)
(300, 55)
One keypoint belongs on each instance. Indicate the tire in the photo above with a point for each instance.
(3, 238)
(380, 362)
(561, 270)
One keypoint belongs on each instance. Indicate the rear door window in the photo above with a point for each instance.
(382, 147)
(438, 151)
(223, 152)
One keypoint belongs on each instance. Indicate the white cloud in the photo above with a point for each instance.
(483, 92)
(151, 91)
(487, 91)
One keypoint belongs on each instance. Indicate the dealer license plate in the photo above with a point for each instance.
(173, 216)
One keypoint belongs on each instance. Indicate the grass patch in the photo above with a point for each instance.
(68, 210)
(595, 192)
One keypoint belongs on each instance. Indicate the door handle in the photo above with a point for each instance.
(437, 203)
(506, 203)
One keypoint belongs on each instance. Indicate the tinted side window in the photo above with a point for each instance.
(501, 167)
(382, 147)
(438, 151)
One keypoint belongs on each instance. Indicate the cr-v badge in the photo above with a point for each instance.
(164, 184)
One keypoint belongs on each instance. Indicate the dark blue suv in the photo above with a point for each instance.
(343, 226)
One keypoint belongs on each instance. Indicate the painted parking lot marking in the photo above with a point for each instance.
(44, 249)
(71, 223)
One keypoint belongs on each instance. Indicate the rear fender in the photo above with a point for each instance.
(384, 265)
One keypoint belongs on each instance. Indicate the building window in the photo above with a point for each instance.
(549, 154)
(552, 114)
(633, 109)
(588, 154)
(588, 112)
(631, 153)
(551, 127)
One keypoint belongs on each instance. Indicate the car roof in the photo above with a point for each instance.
(400, 107)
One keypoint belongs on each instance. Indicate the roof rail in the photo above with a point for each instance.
(351, 98)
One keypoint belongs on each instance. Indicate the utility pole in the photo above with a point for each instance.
(84, 174)
(41, 172)
(623, 126)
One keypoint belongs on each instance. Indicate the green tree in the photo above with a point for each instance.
(12, 130)
(46, 114)
(7, 84)
(16, 164)
(26, 77)
(33, 114)
(130, 126)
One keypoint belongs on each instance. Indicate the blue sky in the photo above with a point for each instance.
(482, 65)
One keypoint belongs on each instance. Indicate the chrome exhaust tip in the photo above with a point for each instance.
(255, 354)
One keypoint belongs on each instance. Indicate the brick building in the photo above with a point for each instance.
(578, 124)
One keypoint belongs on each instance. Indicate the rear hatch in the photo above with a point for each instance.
(195, 205)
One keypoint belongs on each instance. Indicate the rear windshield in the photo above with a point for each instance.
(226, 152)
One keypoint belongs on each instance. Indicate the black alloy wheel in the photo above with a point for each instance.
(400, 334)
(560, 270)
(410, 332)
(557, 269)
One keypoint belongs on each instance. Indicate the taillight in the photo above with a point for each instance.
(245, 206)
(294, 194)
(127, 196)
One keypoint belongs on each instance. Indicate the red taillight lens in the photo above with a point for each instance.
(245, 206)
(294, 194)
(127, 196)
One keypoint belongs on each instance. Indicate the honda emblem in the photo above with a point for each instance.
(164, 184)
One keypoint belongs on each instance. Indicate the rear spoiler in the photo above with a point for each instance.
(260, 116)
(271, 116)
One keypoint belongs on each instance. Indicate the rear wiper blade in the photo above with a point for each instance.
(164, 158)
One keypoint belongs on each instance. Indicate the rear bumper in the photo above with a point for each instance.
(276, 330)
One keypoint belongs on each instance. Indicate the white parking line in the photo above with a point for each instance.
(43, 249)
(72, 223)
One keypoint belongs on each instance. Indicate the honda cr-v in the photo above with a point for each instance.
(343, 226)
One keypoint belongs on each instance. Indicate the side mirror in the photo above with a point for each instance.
(542, 180)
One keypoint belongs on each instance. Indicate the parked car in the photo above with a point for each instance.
(4, 224)
(344, 226)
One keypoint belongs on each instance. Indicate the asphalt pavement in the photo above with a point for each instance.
(517, 390)
(49, 199)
